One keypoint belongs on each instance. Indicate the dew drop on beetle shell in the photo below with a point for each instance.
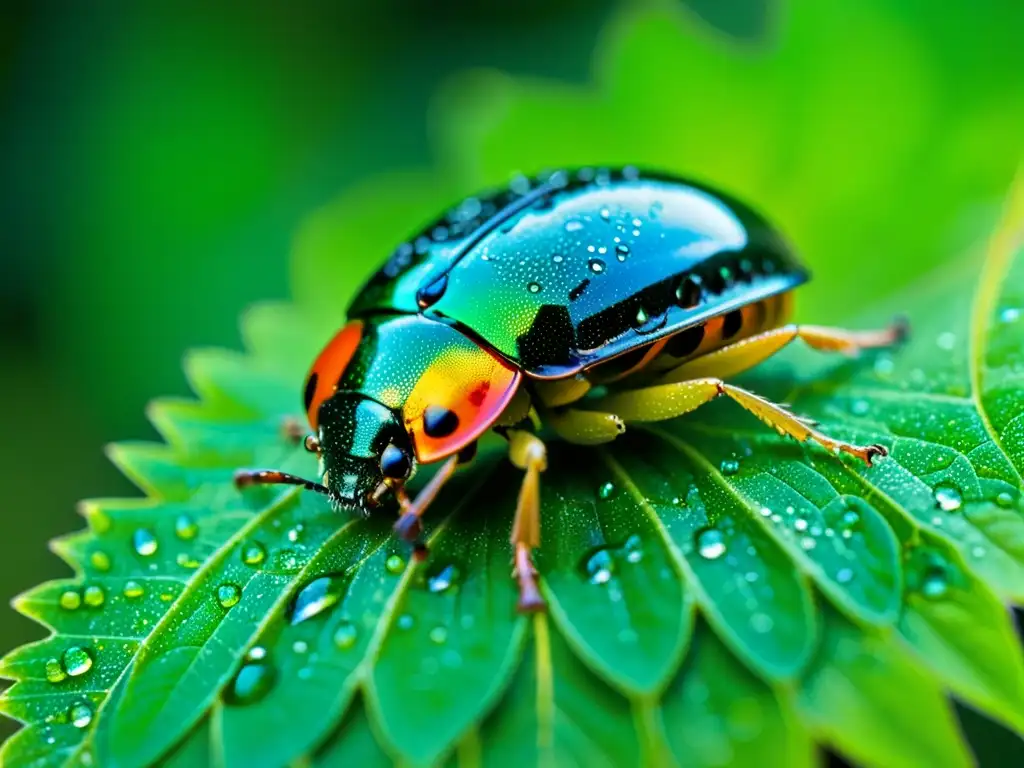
(596, 266)
(573, 225)
(432, 292)
(534, 287)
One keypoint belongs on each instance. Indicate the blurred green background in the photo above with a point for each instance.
(165, 165)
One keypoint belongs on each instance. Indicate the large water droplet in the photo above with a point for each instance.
(228, 595)
(1004, 500)
(948, 498)
(132, 589)
(316, 597)
(94, 596)
(76, 661)
(599, 567)
(54, 671)
(80, 715)
(185, 527)
(70, 599)
(252, 683)
(710, 543)
(144, 542)
(256, 653)
(395, 564)
(621, 251)
(432, 292)
(596, 266)
(606, 491)
(253, 553)
(345, 635)
(443, 579)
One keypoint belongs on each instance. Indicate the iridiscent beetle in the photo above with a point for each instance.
(583, 301)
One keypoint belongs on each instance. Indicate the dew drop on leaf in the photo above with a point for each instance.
(94, 596)
(438, 635)
(144, 542)
(295, 533)
(100, 560)
(1009, 315)
(729, 467)
(634, 549)
(54, 671)
(948, 498)
(443, 579)
(185, 560)
(76, 661)
(395, 564)
(315, 598)
(606, 491)
(1004, 500)
(860, 407)
(599, 567)
(133, 589)
(70, 600)
(406, 621)
(253, 681)
(256, 653)
(710, 543)
(935, 584)
(254, 553)
(844, 575)
(800, 524)
(761, 623)
(228, 595)
(300, 646)
(80, 715)
(345, 635)
(807, 543)
(185, 527)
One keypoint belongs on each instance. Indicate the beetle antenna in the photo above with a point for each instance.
(247, 477)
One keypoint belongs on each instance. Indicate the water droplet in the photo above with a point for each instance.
(634, 549)
(710, 543)
(76, 661)
(606, 491)
(70, 600)
(185, 527)
(844, 575)
(621, 251)
(935, 584)
(256, 653)
(295, 533)
(596, 265)
(54, 671)
(228, 595)
(729, 467)
(1009, 315)
(132, 589)
(94, 596)
(251, 684)
(444, 579)
(641, 317)
(185, 560)
(438, 635)
(406, 621)
(286, 560)
(948, 498)
(432, 292)
(946, 341)
(1004, 500)
(534, 287)
(316, 597)
(800, 524)
(572, 225)
(100, 560)
(884, 366)
(300, 646)
(345, 635)
(395, 564)
(558, 258)
(253, 553)
(605, 214)
(80, 715)
(860, 407)
(144, 542)
(761, 622)
(807, 543)
(599, 567)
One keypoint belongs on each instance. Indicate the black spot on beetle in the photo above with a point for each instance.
(732, 323)
(310, 389)
(685, 343)
(439, 422)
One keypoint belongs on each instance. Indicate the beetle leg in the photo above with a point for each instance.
(666, 401)
(584, 427)
(527, 452)
(742, 355)
(409, 526)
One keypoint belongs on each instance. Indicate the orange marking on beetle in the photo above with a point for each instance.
(328, 368)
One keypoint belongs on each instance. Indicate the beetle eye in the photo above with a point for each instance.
(394, 463)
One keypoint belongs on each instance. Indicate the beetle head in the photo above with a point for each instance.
(364, 450)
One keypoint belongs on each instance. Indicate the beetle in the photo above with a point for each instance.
(582, 301)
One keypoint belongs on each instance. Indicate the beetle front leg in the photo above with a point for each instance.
(529, 453)
(666, 401)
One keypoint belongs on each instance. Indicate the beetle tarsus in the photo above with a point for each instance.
(530, 599)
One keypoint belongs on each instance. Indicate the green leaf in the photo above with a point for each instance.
(717, 593)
